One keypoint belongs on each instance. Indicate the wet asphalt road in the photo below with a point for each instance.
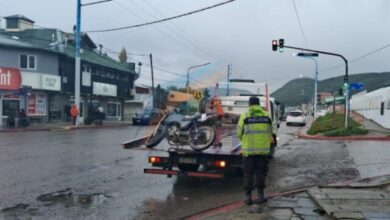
(84, 174)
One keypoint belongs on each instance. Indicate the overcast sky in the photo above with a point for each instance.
(239, 33)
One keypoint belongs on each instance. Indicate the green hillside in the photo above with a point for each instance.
(301, 90)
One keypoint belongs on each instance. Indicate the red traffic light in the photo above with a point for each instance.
(274, 45)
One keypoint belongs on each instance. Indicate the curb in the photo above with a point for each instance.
(63, 128)
(343, 138)
(238, 204)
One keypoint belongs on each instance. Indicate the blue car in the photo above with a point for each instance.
(147, 117)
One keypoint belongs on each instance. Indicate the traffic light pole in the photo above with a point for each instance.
(345, 77)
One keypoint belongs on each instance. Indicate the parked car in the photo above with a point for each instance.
(321, 112)
(147, 117)
(296, 117)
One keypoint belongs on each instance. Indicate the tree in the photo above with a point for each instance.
(123, 55)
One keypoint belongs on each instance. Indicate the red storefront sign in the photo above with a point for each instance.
(10, 78)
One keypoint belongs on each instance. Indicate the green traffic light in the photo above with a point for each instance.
(281, 49)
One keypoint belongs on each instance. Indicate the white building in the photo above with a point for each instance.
(142, 99)
(374, 105)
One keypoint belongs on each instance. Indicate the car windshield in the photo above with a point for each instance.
(295, 114)
(145, 112)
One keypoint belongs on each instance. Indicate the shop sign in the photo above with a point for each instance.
(37, 104)
(10, 78)
(104, 89)
(50, 82)
(86, 79)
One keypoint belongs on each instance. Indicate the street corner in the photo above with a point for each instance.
(370, 196)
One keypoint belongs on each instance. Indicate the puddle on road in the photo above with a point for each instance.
(69, 199)
(19, 211)
(65, 198)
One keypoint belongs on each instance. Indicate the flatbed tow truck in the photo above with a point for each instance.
(212, 162)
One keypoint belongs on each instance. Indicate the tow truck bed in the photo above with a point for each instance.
(184, 161)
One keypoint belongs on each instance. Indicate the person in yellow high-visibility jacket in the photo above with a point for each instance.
(254, 129)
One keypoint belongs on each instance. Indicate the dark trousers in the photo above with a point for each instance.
(255, 168)
(74, 118)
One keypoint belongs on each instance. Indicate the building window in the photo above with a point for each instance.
(113, 109)
(28, 62)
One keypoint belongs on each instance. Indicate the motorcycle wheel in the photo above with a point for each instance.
(203, 139)
(156, 137)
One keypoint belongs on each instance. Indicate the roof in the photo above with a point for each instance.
(18, 16)
(46, 40)
(85, 39)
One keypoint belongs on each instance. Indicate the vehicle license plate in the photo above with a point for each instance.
(187, 160)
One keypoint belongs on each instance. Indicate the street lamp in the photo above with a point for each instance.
(312, 56)
(77, 51)
(188, 75)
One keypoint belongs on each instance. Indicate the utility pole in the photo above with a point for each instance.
(151, 69)
(77, 59)
(228, 79)
(77, 52)
(312, 56)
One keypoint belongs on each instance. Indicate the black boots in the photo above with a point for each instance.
(261, 197)
(248, 198)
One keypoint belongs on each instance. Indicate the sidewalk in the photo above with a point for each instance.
(362, 196)
(369, 199)
(65, 126)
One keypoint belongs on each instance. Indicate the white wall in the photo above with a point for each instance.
(369, 105)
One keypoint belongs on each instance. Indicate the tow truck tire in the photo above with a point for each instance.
(157, 137)
(188, 167)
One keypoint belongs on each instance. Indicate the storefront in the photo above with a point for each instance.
(10, 82)
(28, 91)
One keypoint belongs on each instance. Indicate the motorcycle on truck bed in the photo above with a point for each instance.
(200, 146)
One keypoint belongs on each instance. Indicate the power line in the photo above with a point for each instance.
(161, 20)
(169, 36)
(182, 30)
(146, 64)
(180, 35)
(299, 22)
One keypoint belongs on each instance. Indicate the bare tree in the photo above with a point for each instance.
(123, 55)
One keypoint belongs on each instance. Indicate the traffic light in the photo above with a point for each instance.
(281, 45)
(345, 89)
(274, 45)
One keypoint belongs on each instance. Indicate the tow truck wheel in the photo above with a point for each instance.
(188, 167)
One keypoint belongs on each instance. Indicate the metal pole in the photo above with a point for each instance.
(347, 95)
(334, 111)
(188, 80)
(151, 68)
(228, 79)
(315, 89)
(77, 59)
